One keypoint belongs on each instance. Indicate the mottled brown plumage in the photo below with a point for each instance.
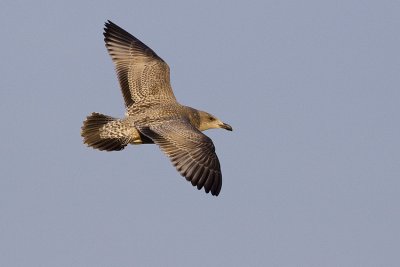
(153, 115)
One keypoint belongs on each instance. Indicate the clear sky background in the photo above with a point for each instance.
(311, 172)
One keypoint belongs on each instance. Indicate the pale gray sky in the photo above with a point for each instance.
(310, 172)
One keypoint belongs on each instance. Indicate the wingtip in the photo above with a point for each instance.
(111, 28)
(105, 29)
(214, 191)
(108, 22)
(107, 25)
(215, 194)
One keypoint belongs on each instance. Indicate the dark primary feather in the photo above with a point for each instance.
(191, 152)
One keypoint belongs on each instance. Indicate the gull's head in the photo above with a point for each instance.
(209, 121)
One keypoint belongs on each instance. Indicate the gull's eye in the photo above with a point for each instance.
(210, 118)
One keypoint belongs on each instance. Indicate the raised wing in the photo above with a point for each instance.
(143, 76)
(190, 151)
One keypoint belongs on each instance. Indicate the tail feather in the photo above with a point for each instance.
(104, 133)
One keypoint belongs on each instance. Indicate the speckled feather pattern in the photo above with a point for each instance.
(153, 115)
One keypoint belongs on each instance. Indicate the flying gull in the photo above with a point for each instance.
(153, 115)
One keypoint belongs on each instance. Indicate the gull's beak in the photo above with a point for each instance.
(226, 126)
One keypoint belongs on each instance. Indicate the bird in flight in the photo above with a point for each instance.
(153, 115)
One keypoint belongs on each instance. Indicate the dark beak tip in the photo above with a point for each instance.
(227, 127)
